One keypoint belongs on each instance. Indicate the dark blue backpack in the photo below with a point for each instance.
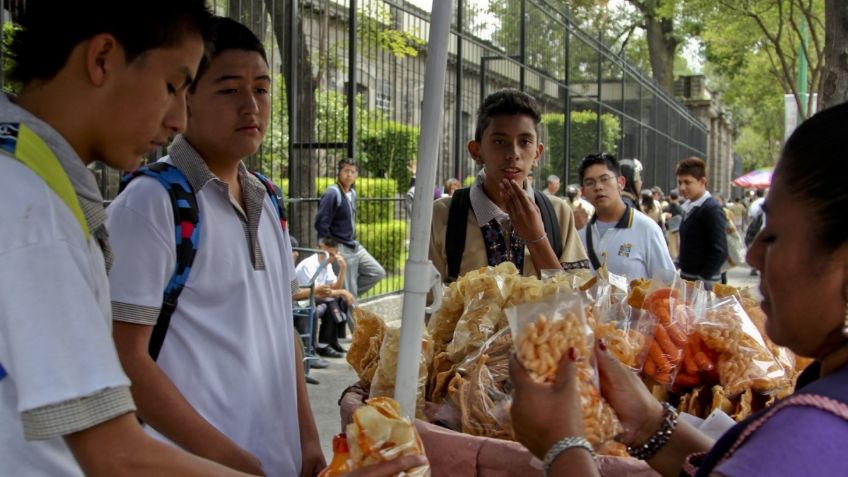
(187, 224)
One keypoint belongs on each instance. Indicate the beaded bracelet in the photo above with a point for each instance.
(660, 438)
(543, 237)
(563, 445)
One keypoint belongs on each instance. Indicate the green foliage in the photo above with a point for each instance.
(9, 31)
(372, 205)
(583, 140)
(385, 241)
(273, 154)
(469, 181)
(373, 27)
(387, 148)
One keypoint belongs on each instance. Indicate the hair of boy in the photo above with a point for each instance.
(329, 242)
(760, 193)
(506, 102)
(692, 166)
(51, 29)
(602, 159)
(228, 34)
(673, 195)
(346, 162)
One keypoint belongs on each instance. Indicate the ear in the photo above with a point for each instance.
(102, 56)
(621, 182)
(540, 149)
(474, 150)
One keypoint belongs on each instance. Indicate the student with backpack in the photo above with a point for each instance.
(501, 218)
(225, 380)
(336, 218)
(101, 80)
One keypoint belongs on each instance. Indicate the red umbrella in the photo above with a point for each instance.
(758, 179)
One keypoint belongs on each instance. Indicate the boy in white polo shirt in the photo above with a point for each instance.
(633, 243)
(228, 383)
(102, 80)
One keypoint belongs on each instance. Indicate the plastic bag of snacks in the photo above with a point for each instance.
(543, 331)
(377, 434)
(744, 360)
(479, 393)
(479, 321)
(672, 314)
(383, 384)
(627, 332)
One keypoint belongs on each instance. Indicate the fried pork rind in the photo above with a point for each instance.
(479, 394)
(720, 401)
(364, 352)
(379, 433)
(744, 359)
(383, 384)
(476, 325)
(545, 331)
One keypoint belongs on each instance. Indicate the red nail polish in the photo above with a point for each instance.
(602, 345)
(572, 354)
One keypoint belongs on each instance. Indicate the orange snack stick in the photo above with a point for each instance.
(661, 359)
(650, 367)
(676, 335)
(687, 380)
(666, 344)
(689, 360)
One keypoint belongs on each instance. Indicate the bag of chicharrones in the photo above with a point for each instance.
(479, 394)
(383, 384)
(744, 360)
(545, 330)
(627, 332)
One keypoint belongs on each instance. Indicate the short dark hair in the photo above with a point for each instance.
(813, 169)
(506, 102)
(346, 162)
(692, 166)
(601, 159)
(761, 193)
(329, 242)
(228, 34)
(673, 195)
(51, 29)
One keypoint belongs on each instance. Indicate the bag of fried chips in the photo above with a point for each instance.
(379, 433)
(744, 360)
(383, 384)
(543, 331)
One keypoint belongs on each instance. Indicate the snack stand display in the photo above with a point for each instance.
(701, 351)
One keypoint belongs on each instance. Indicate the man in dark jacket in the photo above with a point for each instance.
(703, 232)
(336, 218)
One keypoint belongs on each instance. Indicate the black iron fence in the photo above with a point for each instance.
(354, 70)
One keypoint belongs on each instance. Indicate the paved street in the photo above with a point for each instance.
(324, 397)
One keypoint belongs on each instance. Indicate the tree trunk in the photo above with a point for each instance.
(304, 159)
(834, 88)
(661, 48)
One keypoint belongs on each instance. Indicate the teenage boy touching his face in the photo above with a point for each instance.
(504, 217)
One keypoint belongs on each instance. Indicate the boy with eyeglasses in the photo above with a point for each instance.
(632, 243)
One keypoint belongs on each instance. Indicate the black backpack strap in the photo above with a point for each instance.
(276, 195)
(590, 247)
(549, 219)
(187, 224)
(455, 233)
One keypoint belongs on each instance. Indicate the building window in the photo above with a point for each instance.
(383, 100)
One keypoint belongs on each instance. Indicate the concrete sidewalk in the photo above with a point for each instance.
(324, 397)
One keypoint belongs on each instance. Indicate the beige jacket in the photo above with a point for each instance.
(474, 256)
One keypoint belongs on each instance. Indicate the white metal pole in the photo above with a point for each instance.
(419, 275)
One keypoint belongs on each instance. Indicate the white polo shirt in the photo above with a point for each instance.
(307, 267)
(62, 371)
(230, 346)
(635, 246)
